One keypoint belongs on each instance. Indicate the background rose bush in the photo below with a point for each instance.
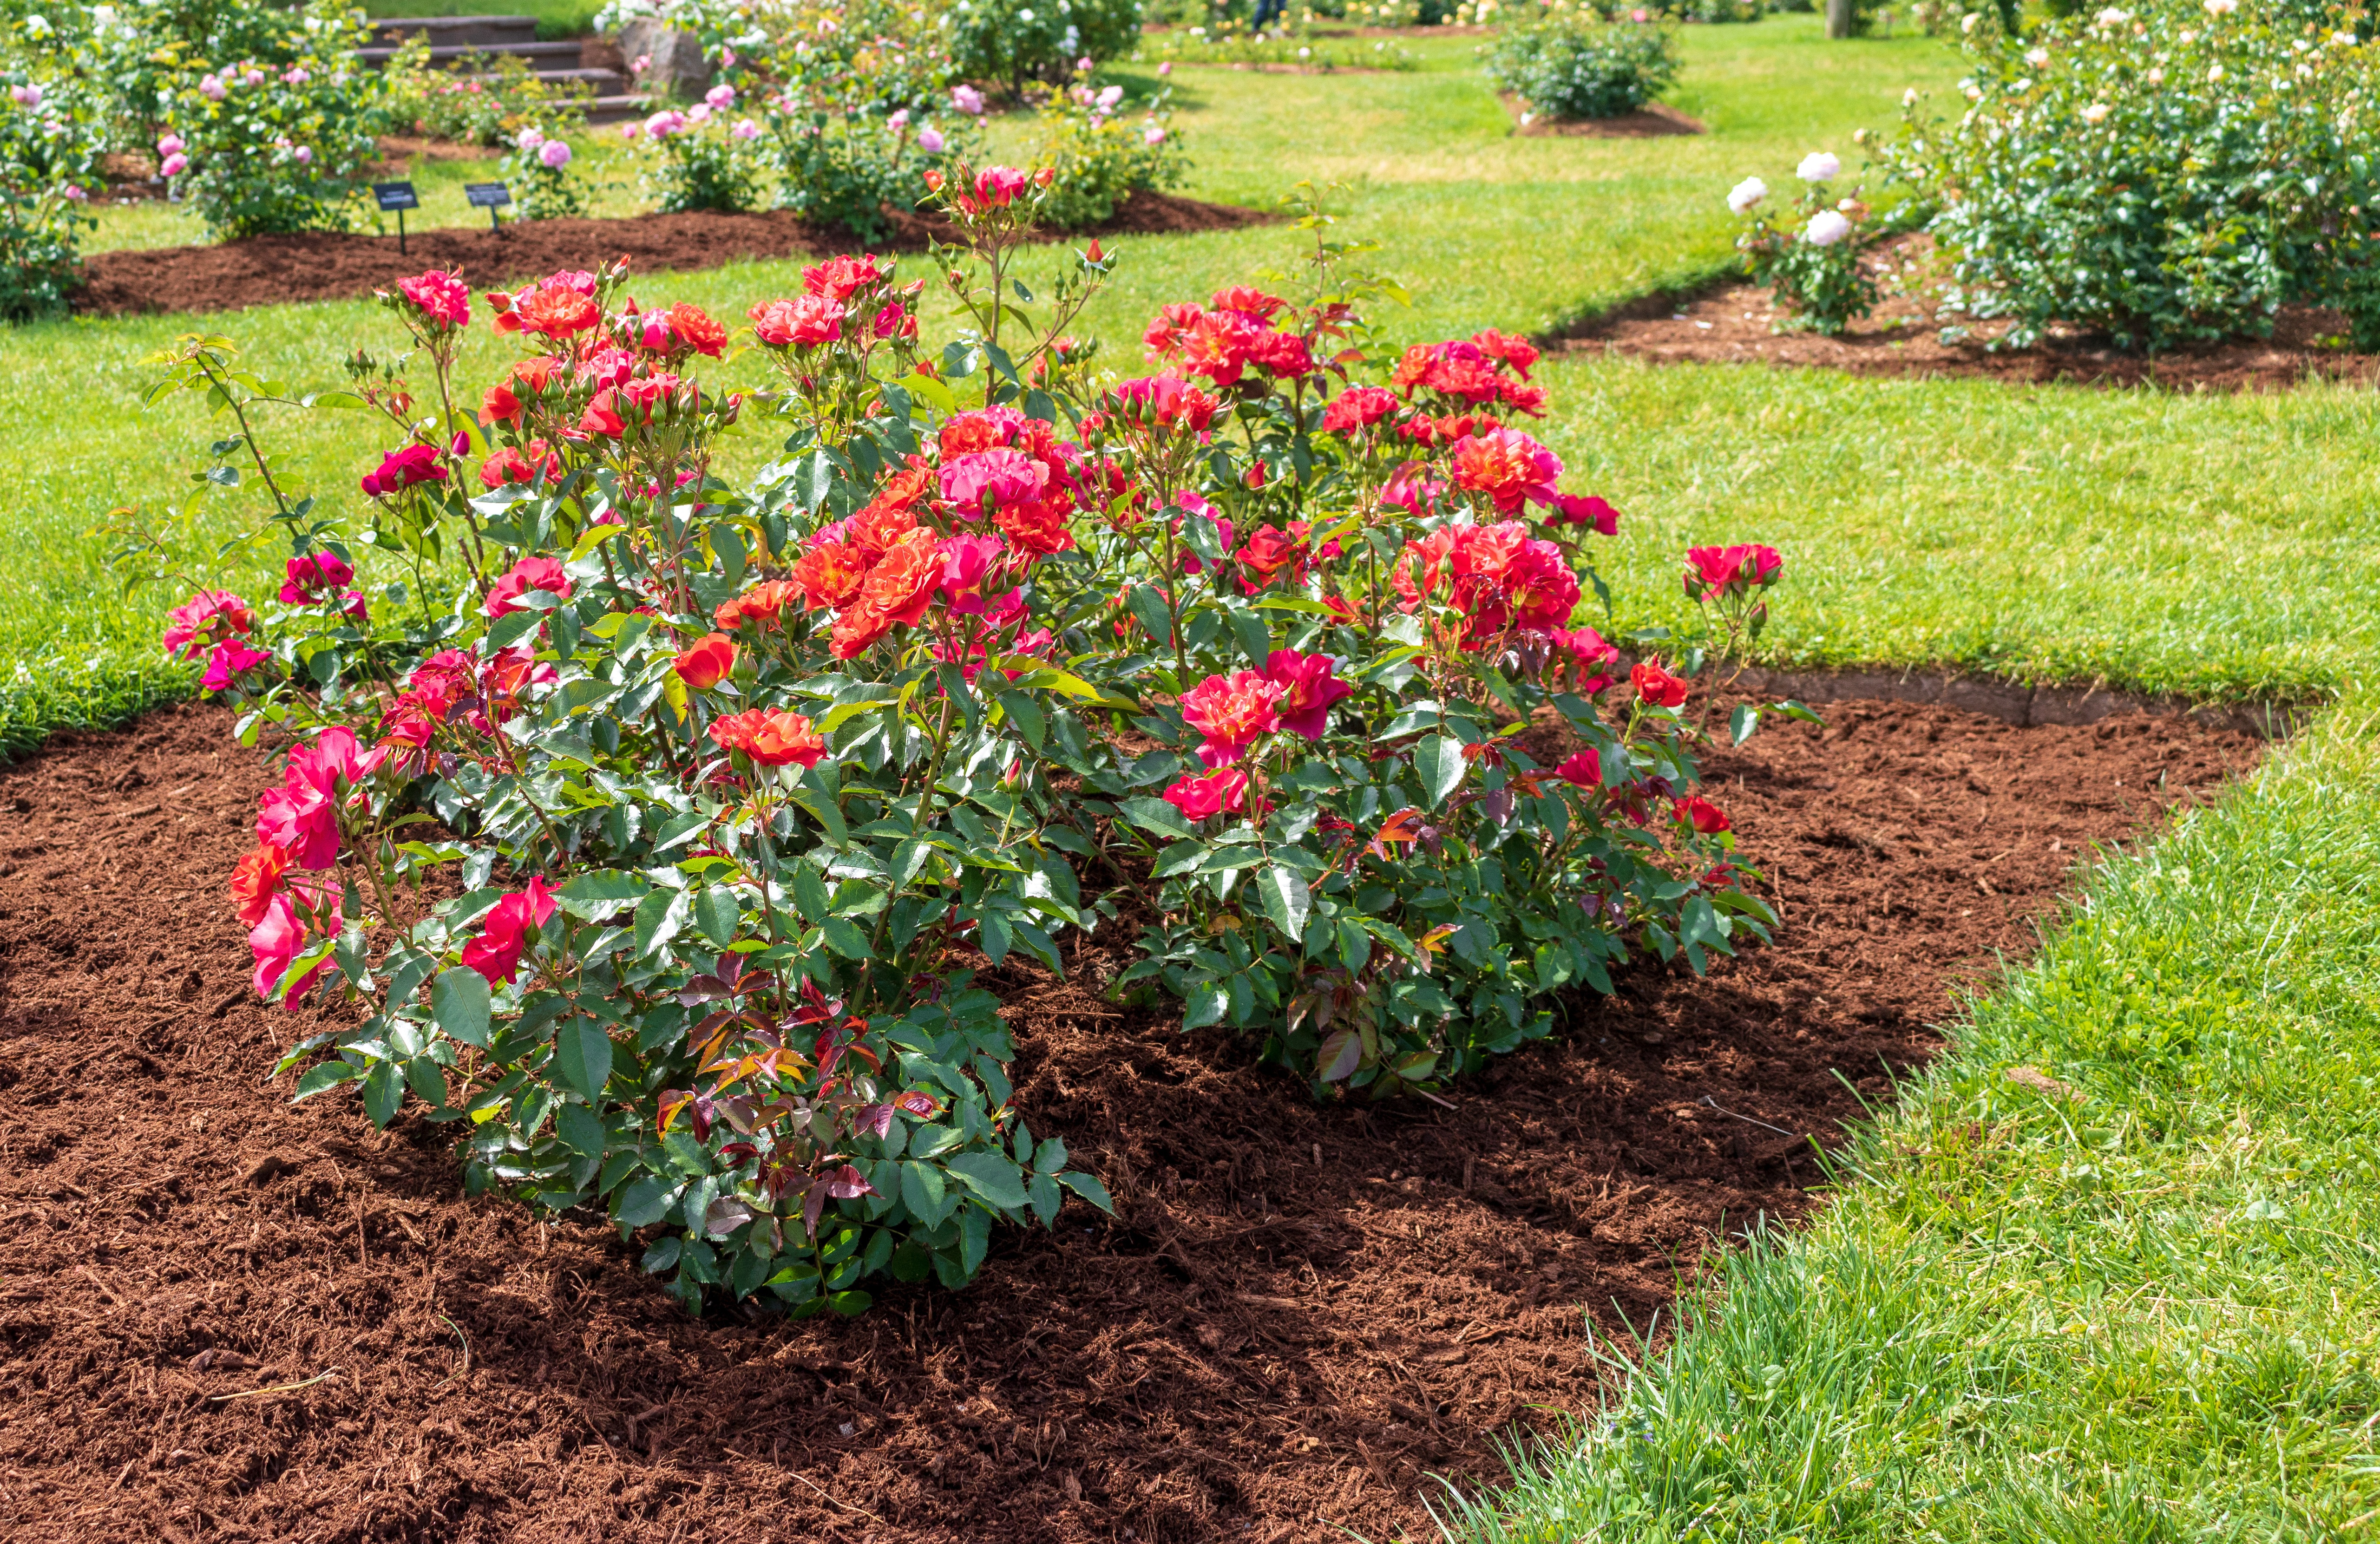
(656, 830)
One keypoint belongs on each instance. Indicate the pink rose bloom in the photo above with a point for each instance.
(554, 153)
(1153, 134)
(175, 164)
(1573, 509)
(304, 153)
(1197, 798)
(25, 96)
(400, 470)
(302, 818)
(744, 130)
(313, 571)
(496, 953)
(169, 144)
(929, 139)
(208, 618)
(1539, 587)
(212, 87)
(721, 95)
(279, 939)
(998, 186)
(1309, 685)
(1594, 663)
(443, 296)
(666, 122)
(1008, 477)
(230, 659)
(1232, 712)
(1411, 488)
(967, 100)
(530, 573)
(967, 562)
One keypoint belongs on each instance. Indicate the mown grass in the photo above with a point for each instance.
(2149, 1313)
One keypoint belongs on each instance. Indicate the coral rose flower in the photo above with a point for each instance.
(839, 278)
(805, 321)
(1507, 465)
(1232, 713)
(441, 297)
(1729, 570)
(695, 329)
(1657, 687)
(530, 573)
(1038, 529)
(1358, 407)
(761, 603)
(709, 660)
(278, 938)
(256, 882)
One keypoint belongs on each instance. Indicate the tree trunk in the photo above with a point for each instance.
(1839, 18)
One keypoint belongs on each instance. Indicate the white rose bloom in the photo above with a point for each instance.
(1909, 97)
(2215, 76)
(1745, 194)
(2038, 57)
(1827, 228)
(2020, 86)
(1967, 22)
(2221, 7)
(2112, 18)
(1819, 166)
(2157, 78)
(2095, 113)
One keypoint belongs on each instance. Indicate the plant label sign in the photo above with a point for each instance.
(490, 196)
(395, 195)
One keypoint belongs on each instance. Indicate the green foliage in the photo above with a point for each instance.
(1102, 148)
(543, 186)
(2172, 177)
(1009, 43)
(1575, 65)
(478, 101)
(699, 161)
(847, 167)
(1301, 47)
(48, 155)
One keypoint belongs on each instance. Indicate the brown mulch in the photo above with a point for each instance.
(272, 270)
(1298, 1313)
(1653, 121)
(1732, 322)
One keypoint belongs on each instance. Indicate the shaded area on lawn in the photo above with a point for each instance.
(1297, 1312)
(272, 270)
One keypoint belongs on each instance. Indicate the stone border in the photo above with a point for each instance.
(2013, 702)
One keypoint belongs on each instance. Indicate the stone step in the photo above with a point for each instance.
(487, 31)
(616, 109)
(450, 53)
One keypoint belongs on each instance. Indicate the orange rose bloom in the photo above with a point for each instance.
(558, 312)
(828, 577)
(1040, 528)
(898, 590)
(709, 662)
(696, 330)
(906, 489)
(760, 603)
(875, 528)
(771, 738)
(500, 405)
(256, 882)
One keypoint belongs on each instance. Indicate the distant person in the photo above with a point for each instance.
(1267, 12)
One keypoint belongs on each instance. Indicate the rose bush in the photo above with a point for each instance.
(1104, 149)
(2169, 176)
(658, 833)
(1810, 260)
(700, 157)
(48, 162)
(278, 140)
(1573, 64)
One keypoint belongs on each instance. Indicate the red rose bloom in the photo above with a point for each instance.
(1657, 687)
(829, 576)
(1584, 768)
(1702, 814)
(1197, 798)
(496, 953)
(1232, 713)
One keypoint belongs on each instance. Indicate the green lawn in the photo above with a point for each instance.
(2146, 1316)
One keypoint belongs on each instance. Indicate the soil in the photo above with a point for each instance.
(221, 1318)
(270, 270)
(1653, 121)
(1733, 322)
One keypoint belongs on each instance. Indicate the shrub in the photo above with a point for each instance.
(48, 155)
(1811, 262)
(2169, 177)
(1103, 151)
(1572, 64)
(658, 833)
(276, 142)
(539, 172)
(480, 102)
(1299, 47)
(701, 158)
(1011, 42)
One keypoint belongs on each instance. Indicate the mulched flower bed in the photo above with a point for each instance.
(273, 270)
(1655, 120)
(1730, 323)
(1297, 1313)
